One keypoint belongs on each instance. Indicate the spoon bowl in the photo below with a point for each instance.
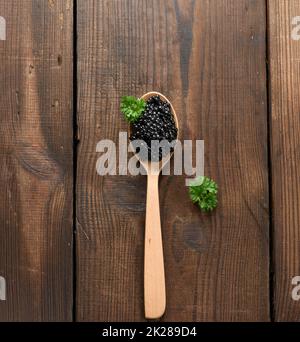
(153, 167)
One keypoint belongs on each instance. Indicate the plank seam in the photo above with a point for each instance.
(270, 181)
(75, 148)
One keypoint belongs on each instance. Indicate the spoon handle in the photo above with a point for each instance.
(154, 274)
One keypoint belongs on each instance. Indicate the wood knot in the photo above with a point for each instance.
(36, 160)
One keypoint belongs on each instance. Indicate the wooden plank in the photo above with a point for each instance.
(285, 123)
(36, 160)
(208, 58)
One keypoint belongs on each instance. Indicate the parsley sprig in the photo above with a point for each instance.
(203, 192)
(132, 108)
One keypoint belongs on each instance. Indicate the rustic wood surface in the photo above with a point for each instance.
(36, 160)
(208, 57)
(285, 127)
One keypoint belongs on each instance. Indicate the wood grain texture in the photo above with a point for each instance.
(208, 58)
(36, 160)
(285, 147)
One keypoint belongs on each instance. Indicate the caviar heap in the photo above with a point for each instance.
(156, 125)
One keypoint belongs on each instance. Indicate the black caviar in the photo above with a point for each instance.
(156, 124)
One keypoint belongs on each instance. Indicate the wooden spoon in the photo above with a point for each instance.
(154, 274)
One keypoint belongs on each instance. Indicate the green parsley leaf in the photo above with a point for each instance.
(203, 192)
(132, 108)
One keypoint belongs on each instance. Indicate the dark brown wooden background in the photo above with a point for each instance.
(71, 242)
